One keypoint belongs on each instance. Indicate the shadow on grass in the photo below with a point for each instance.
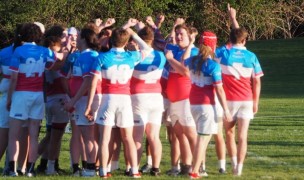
(276, 143)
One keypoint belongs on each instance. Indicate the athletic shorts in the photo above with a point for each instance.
(219, 109)
(205, 118)
(147, 108)
(166, 115)
(180, 111)
(54, 109)
(4, 114)
(116, 109)
(80, 108)
(241, 109)
(27, 105)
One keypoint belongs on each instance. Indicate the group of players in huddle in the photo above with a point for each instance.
(115, 85)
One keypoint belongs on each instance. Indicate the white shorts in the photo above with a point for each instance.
(219, 109)
(4, 114)
(147, 108)
(54, 109)
(27, 105)
(116, 109)
(166, 115)
(205, 118)
(180, 111)
(80, 108)
(241, 109)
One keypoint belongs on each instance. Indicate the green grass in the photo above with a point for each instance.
(276, 142)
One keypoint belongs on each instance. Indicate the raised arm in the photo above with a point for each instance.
(142, 44)
(109, 22)
(232, 16)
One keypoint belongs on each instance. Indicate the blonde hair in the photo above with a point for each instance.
(198, 61)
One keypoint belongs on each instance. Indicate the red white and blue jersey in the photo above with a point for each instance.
(178, 87)
(238, 67)
(116, 67)
(202, 90)
(81, 68)
(5, 60)
(146, 75)
(53, 83)
(30, 61)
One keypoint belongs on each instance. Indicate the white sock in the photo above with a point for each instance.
(109, 167)
(114, 165)
(175, 168)
(134, 170)
(203, 166)
(234, 162)
(239, 169)
(222, 164)
(51, 166)
(149, 160)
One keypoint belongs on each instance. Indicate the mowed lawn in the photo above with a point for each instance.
(276, 143)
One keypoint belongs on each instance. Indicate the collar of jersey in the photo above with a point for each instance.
(29, 43)
(118, 49)
(239, 47)
(86, 50)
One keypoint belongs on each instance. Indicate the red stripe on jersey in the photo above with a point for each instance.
(140, 86)
(178, 87)
(6, 76)
(237, 89)
(33, 84)
(202, 95)
(108, 88)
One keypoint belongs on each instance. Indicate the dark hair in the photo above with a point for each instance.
(119, 37)
(90, 38)
(238, 35)
(30, 32)
(146, 33)
(56, 30)
(52, 41)
(17, 36)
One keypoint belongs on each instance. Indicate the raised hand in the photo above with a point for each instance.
(150, 21)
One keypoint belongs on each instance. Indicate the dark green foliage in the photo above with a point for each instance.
(263, 19)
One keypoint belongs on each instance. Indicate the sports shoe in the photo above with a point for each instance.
(155, 172)
(146, 168)
(88, 173)
(202, 172)
(173, 172)
(106, 176)
(10, 173)
(51, 173)
(77, 173)
(127, 172)
(222, 171)
(31, 174)
(194, 176)
(138, 175)
(20, 173)
(185, 169)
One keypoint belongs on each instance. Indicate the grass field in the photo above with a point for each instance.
(276, 140)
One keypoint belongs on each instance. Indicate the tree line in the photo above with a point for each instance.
(264, 19)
